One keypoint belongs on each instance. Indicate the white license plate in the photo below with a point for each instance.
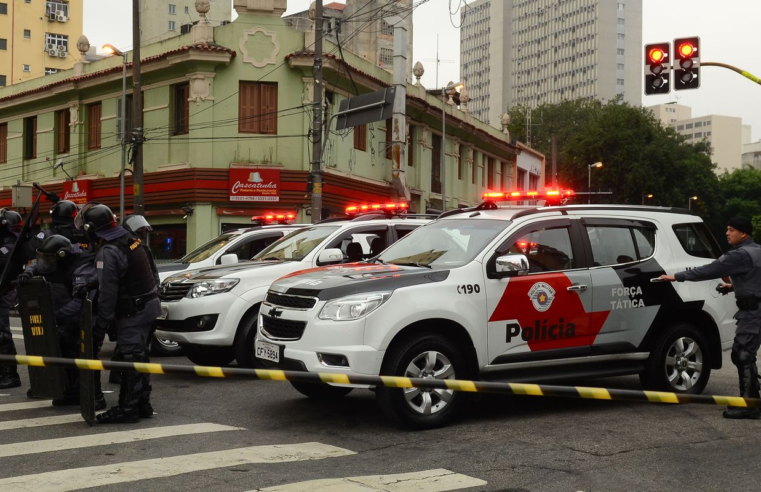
(164, 312)
(267, 351)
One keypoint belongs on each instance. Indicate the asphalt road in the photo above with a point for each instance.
(502, 444)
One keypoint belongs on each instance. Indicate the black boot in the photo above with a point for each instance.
(115, 377)
(9, 377)
(129, 399)
(100, 398)
(70, 395)
(144, 407)
(747, 373)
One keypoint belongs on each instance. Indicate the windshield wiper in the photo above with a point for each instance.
(271, 258)
(413, 263)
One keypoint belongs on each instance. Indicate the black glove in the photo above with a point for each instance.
(723, 290)
(81, 291)
(24, 278)
(99, 332)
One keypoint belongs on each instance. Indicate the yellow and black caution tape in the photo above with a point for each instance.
(388, 381)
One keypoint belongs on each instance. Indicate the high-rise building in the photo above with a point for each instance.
(37, 37)
(531, 52)
(162, 19)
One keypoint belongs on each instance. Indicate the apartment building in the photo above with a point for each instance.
(545, 51)
(37, 37)
(163, 19)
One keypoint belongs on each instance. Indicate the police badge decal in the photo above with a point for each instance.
(541, 295)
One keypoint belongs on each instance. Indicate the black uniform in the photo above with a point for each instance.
(9, 377)
(742, 265)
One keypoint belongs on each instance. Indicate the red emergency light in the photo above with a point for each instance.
(389, 208)
(494, 196)
(274, 218)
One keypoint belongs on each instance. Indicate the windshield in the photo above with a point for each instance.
(208, 249)
(296, 245)
(444, 244)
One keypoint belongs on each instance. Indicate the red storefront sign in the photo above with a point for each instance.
(77, 191)
(254, 185)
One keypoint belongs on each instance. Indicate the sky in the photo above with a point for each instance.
(728, 32)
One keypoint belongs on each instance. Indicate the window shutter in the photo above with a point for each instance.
(93, 125)
(246, 107)
(268, 115)
(4, 143)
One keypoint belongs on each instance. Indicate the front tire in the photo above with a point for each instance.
(209, 355)
(245, 352)
(423, 356)
(321, 391)
(164, 348)
(680, 361)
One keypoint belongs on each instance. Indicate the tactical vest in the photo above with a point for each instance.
(749, 284)
(139, 279)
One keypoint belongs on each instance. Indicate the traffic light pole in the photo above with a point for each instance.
(742, 72)
(317, 121)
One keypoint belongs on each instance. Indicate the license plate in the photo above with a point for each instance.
(267, 351)
(164, 312)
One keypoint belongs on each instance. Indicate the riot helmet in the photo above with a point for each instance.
(54, 249)
(137, 225)
(10, 222)
(63, 212)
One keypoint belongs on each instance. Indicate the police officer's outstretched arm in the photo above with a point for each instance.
(735, 262)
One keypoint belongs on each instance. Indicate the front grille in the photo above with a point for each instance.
(293, 302)
(174, 291)
(283, 329)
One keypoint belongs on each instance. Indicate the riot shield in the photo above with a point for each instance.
(40, 337)
(87, 377)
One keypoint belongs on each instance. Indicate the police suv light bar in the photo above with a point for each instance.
(499, 196)
(271, 218)
(387, 208)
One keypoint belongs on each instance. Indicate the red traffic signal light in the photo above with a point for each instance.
(687, 66)
(657, 68)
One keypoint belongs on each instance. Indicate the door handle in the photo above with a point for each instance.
(577, 288)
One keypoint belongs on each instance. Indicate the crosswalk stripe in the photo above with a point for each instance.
(60, 444)
(20, 330)
(426, 481)
(11, 407)
(18, 337)
(40, 422)
(99, 476)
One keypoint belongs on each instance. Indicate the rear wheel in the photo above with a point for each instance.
(680, 361)
(426, 356)
(209, 355)
(161, 347)
(321, 391)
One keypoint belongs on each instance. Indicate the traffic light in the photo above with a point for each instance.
(687, 63)
(657, 68)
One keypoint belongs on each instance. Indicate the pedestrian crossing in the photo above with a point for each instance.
(95, 441)
(17, 333)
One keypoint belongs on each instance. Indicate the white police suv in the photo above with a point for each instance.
(517, 293)
(213, 312)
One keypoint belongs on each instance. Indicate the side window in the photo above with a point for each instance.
(645, 239)
(403, 230)
(611, 245)
(547, 250)
(359, 245)
(250, 247)
(697, 241)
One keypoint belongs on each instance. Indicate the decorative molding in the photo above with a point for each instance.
(106, 118)
(200, 87)
(74, 115)
(155, 108)
(271, 59)
(13, 137)
(45, 130)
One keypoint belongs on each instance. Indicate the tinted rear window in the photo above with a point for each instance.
(697, 240)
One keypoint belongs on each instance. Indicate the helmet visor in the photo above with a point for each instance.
(46, 263)
(79, 220)
(136, 222)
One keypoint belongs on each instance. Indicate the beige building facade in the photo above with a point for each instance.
(37, 37)
(163, 19)
(531, 52)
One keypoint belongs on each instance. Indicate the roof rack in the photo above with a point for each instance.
(564, 209)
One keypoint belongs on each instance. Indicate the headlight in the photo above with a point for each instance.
(211, 287)
(353, 307)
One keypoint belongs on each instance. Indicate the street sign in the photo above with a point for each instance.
(367, 108)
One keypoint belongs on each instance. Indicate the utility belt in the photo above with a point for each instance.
(130, 306)
(747, 303)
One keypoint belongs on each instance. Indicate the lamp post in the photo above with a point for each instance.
(589, 179)
(444, 92)
(689, 202)
(114, 51)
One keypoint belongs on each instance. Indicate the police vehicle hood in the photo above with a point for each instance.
(332, 282)
(241, 270)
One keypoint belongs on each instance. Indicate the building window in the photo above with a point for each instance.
(27, 34)
(2, 81)
(3, 143)
(707, 123)
(93, 126)
(360, 137)
(173, 9)
(62, 120)
(620, 51)
(436, 165)
(27, 1)
(490, 173)
(688, 126)
(620, 81)
(3, 44)
(708, 134)
(27, 68)
(680, 128)
(386, 28)
(172, 25)
(698, 124)
(51, 71)
(54, 10)
(389, 139)
(187, 10)
(621, 36)
(181, 109)
(257, 107)
(620, 66)
(620, 6)
(3, 9)
(386, 57)
(521, 183)
(30, 137)
(699, 135)
(58, 42)
(621, 22)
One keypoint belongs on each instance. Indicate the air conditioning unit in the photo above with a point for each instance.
(53, 52)
(62, 18)
(63, 54)
(49, 46)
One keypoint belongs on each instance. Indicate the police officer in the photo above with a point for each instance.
(128, 297)
(62, 215)
(742, 264)
(10, 226)
(71, 274)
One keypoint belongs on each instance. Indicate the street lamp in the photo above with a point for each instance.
(690, 200)
(649, 196)
(589, 180)
(451, 88)
(112, 50)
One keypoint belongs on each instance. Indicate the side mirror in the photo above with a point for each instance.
(511, 266)
(230, 259)
(330, 255)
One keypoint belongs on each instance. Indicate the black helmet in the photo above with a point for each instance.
(63, 212)
(136, 224)
(95, 217)
(10, 220)
(53, 249)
